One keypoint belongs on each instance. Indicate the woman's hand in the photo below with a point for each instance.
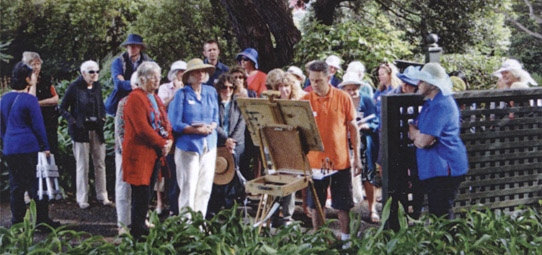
(47, 153)
(167, 147)
(230, 144)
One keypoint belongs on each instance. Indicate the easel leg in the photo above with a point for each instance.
(316, 201)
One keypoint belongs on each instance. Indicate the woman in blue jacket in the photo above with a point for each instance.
(23, 134)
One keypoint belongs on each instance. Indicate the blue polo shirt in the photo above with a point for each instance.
(448, 156)
(185, 109)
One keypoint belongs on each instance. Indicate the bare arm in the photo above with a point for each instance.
(420, 140)
(354, 139)
(49, 101)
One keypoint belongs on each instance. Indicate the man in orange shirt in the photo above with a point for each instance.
(335, 116)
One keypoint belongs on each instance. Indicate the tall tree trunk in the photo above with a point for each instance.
(255, 21)
(324, 10)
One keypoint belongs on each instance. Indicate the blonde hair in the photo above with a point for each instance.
(292, 81)
(274, 78)
(392, 71)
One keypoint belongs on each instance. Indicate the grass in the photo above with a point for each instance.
(478, 232)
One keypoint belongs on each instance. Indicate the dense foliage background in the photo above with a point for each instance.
(475, 35)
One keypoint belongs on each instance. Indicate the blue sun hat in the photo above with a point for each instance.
(134, 39)
(434, 74)
(406, 76)
(251, 54)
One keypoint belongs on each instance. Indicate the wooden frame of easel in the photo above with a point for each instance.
(263, 118)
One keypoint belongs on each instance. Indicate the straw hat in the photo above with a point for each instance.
(196, 64)
(176, 66)
(225, 166)
(435, 75)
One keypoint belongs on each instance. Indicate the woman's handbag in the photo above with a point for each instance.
(47, 170)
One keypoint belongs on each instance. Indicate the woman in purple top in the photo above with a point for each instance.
(23, 133)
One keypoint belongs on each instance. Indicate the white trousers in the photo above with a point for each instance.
(195, 174)
(123, 195)
(81, 153)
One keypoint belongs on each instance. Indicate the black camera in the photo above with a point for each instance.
(91, 123)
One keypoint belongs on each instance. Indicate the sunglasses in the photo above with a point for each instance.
(93, 71)
(245, 59)
(228, 87)
(238, 77)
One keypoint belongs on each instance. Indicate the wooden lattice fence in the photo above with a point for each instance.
(502, 130)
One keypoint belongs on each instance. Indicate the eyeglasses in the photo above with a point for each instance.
(228, 87)
(93, 71)
(238, 77)
(153, 77)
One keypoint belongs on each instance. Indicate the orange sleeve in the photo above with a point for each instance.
(53, 92)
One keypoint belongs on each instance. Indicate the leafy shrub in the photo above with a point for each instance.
(66, 32)
(177, 29)
(351, 41)
(478, 68)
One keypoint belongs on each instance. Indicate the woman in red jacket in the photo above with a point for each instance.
(147, 139)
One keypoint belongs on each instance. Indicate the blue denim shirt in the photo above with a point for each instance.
(448, 156)
(185, 109)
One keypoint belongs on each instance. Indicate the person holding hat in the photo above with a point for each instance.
(231, 136)
(511, 72)
(122, 69)
(441, 155)
(194, 117)
(408, 84)
(368, 130)
(334, 64)
(248, 59)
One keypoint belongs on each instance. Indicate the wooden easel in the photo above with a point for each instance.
(288, 130)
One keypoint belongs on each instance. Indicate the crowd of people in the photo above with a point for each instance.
(168, 136)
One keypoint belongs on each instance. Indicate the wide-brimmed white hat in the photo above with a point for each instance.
(435, 75)
(350, 79)
(356, 67)
(176, 66)
(515, 67)
(334, 61)
(297, 72)
(507, 65)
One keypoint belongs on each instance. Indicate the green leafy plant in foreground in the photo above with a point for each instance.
(478, 232)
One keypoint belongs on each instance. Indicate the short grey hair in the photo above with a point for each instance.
(88, 64)
(146, 68)
(28, 56)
